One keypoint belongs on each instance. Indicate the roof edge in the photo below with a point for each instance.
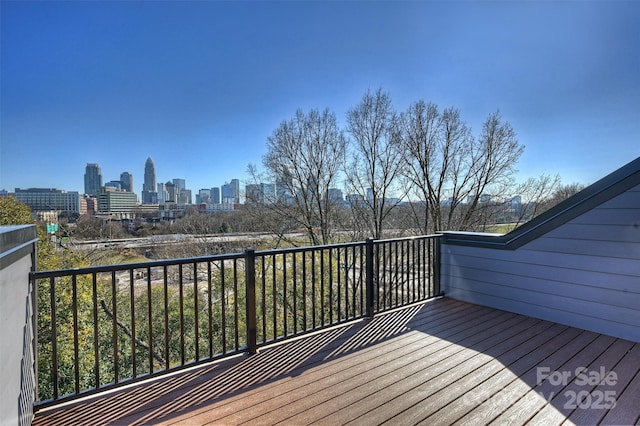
(592, 196)
(15, 242)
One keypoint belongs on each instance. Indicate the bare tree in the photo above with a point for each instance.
(304, 157)
(430, 142)
(565, 191)
(375, 167)
(201, 227)
(532, 197)
(559, 194)
(492, 165)
(87, 227)
(454, 175)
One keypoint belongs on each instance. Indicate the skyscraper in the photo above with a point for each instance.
(162, 193)
(235, 188)
(127, 181)
(149, 194)
(203, 196)
(227, 193)
(172, 192)
(181, 187)
(92, 179)
(181, 184)
(215, 195)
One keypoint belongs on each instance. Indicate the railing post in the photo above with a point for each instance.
(369, 277)
(436, 266)
(250, 280)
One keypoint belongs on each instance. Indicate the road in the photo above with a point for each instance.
(156, 240)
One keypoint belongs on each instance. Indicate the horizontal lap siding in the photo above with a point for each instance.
(585, 273)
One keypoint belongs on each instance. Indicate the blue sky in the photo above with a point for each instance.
(200, 86)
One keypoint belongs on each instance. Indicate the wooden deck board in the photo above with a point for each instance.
(463, 394)
(522, 398)
(627, 388)
(409, 374)
(438, 363)
(387, 359)
(351, 365)
(418, 392)
(611, 360)
(507, 385)
(555, 412)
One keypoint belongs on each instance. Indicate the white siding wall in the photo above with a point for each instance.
(17, 376)
(585, 273)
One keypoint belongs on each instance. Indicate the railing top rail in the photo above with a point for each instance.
(136, 265)
(340, 245)
(308, 248)
(416, 237)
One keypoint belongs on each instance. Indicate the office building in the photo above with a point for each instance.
(370, 195)
(203, 196)
(263, 193)
(184, 196)
(126, 180)
(88, 205)
(92, 179)
(49, 199)
(162, 193)
(181, 184)
(235, 190)
(171, 193)
(284, 185)
(114, 184)
(355, 200)
(215, 195)
(116, 202)
(336, 195)
(227, 193)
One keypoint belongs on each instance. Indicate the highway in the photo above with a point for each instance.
(156, 240)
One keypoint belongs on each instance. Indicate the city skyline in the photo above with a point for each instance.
(200, 86)
(93, 178)
(126, 174)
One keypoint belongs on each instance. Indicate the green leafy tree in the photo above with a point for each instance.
(50, 257)
(14, 212)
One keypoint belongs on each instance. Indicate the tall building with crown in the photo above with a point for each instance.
(149, 194)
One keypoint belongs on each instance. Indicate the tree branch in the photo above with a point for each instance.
(128, 332)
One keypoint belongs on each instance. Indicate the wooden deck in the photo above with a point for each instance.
(443, 362)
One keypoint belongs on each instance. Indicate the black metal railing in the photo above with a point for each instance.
(100, 327)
